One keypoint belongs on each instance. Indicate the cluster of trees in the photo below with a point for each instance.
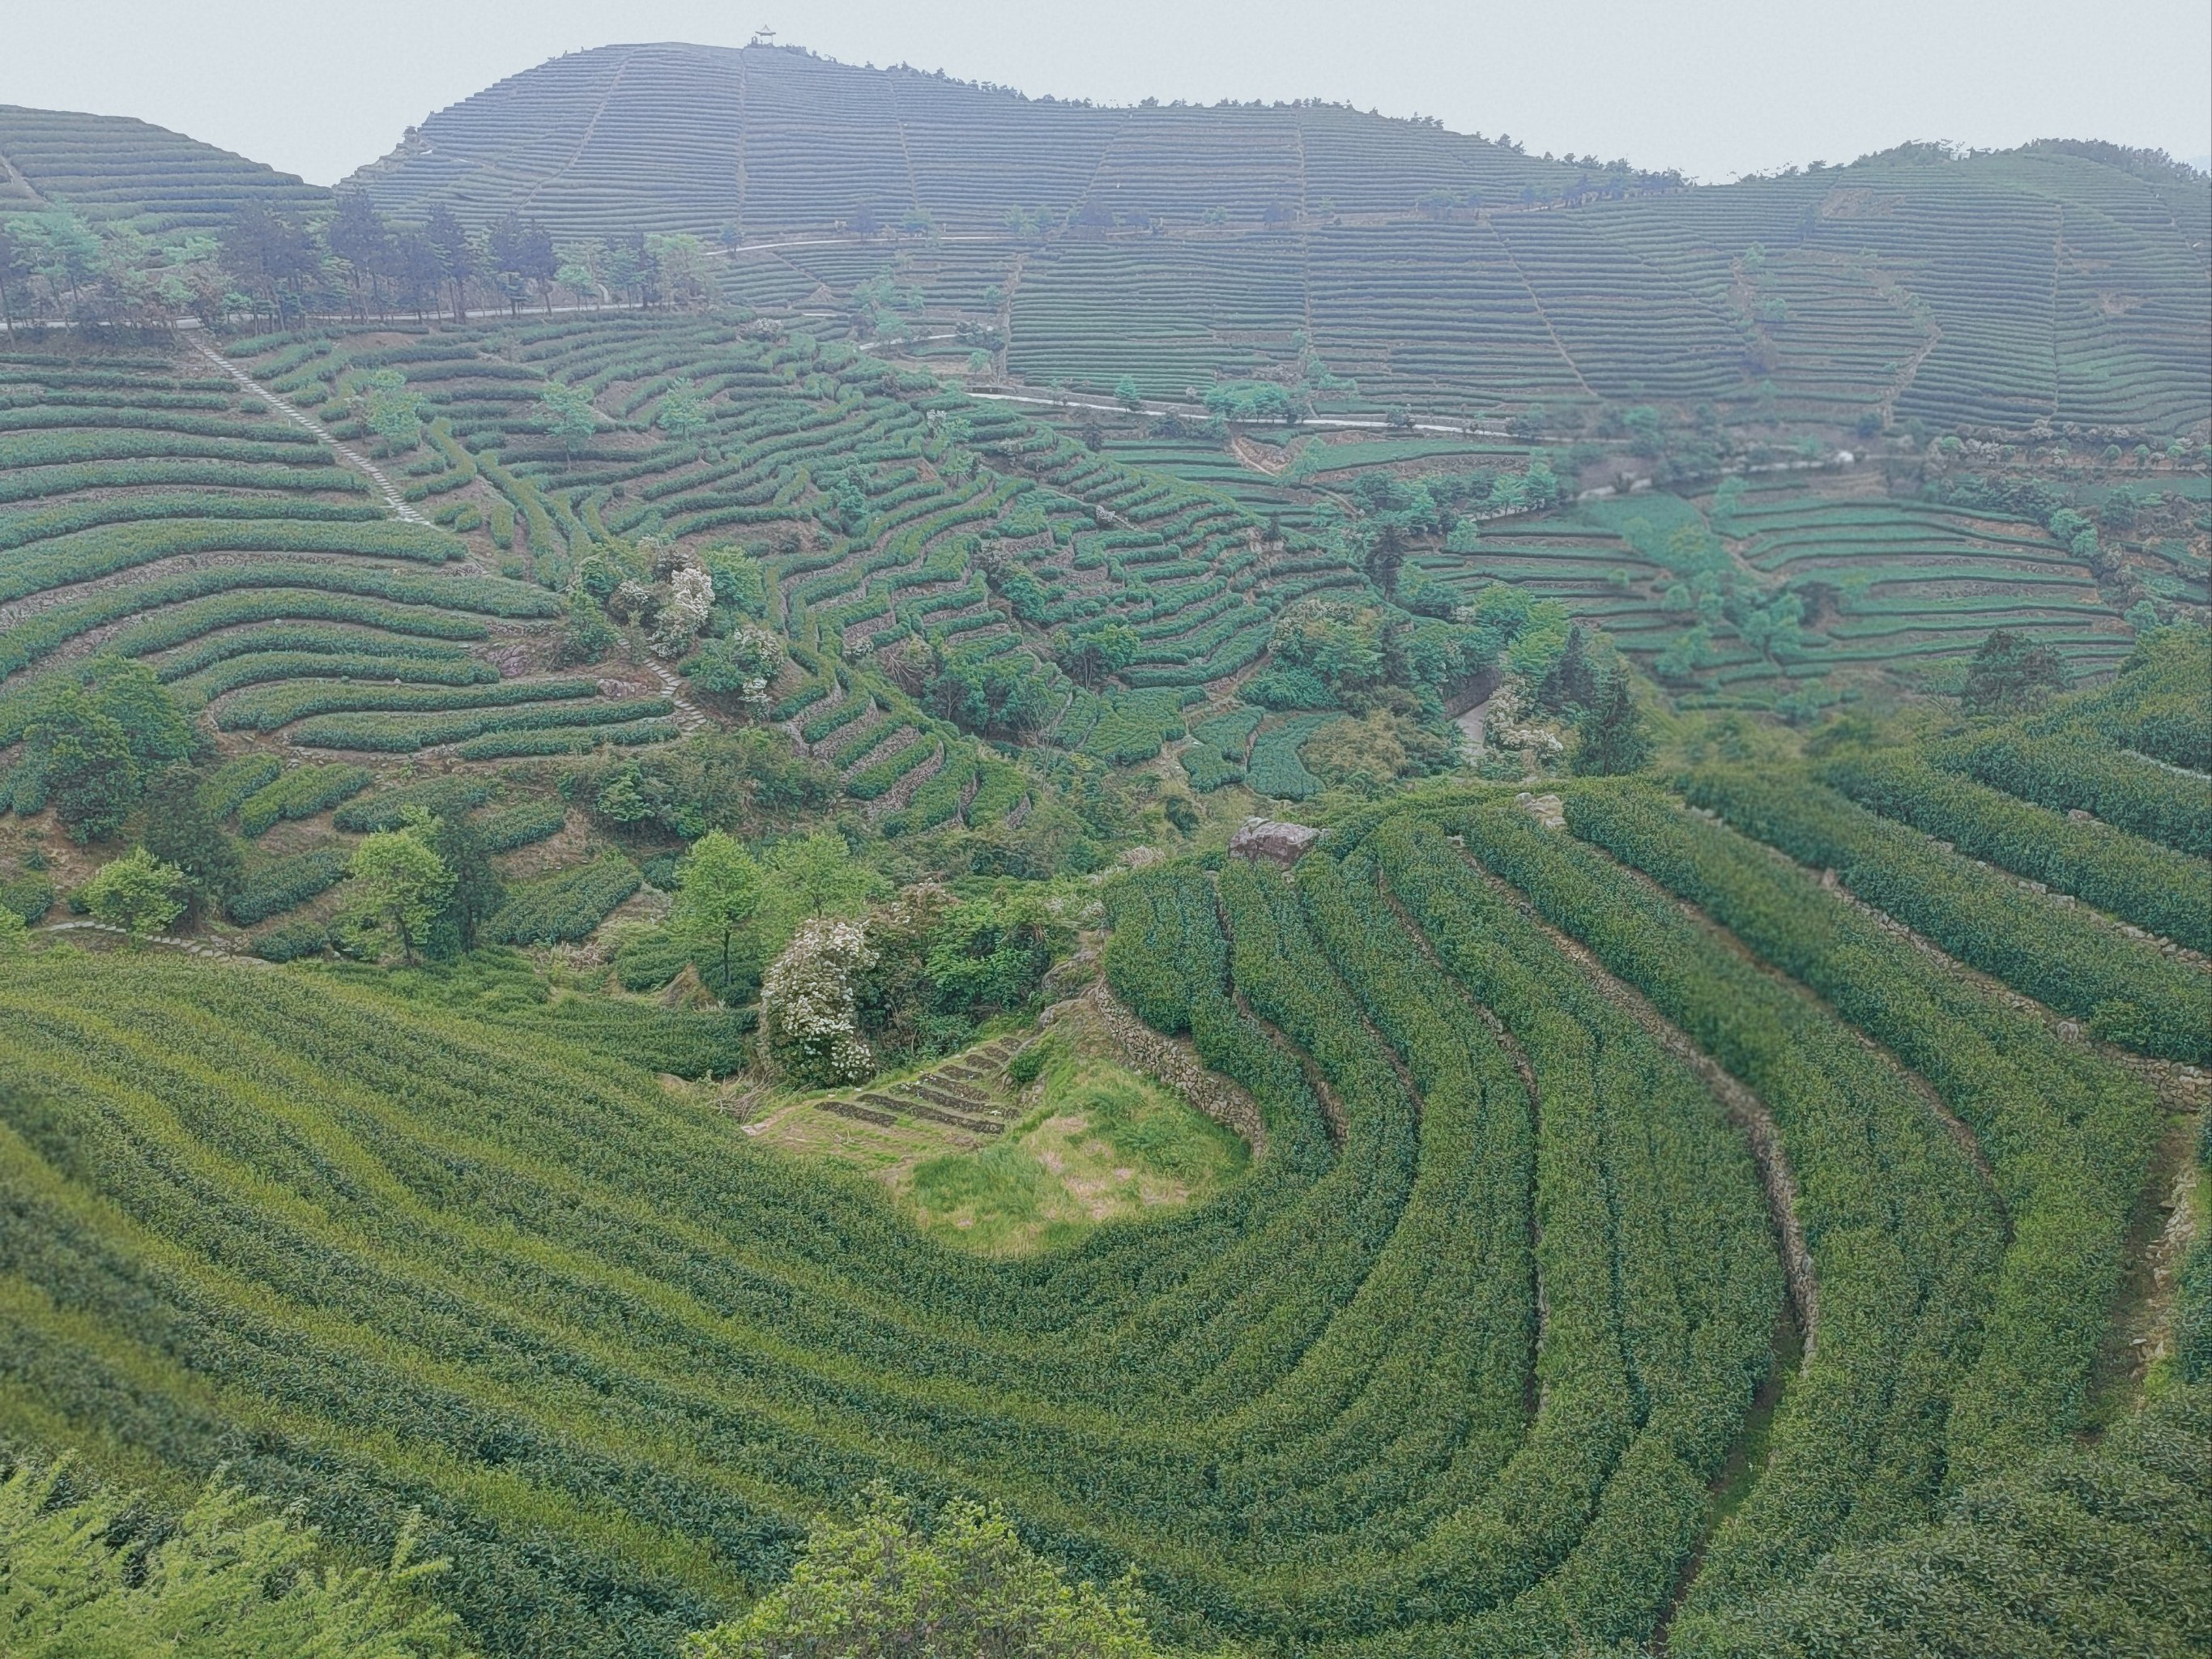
(746, 782)
(57, 267)
(703, 607)
(85, 1569)
(2011, 673)
(94, 740)
(848, 976)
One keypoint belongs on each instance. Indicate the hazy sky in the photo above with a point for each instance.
(1717, 87)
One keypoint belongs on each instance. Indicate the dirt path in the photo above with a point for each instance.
(1470, 729)
(212, 950)
(393, 499)
(689, 718)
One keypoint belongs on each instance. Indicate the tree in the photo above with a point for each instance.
(989, 954)
(682, 414)
(984, 693)
(569, 414)
(15, 935)
(80, 758)
(272, 257)
(1386, 555)
(1611, 730)
(682, 262)
(879, 1584)
(740, 664)
(1127, 391)
(1571, 681)
(809, 1009)
(136, 892)
(536, 260)
(721, 892)
(476, 890)
(416, 271)
(815, 874)
(392, 412)
(398, 885)
(457, 255)
(1090, 656)
(358, 235)
(181, 831)
(88, 1572)
(154, 723)
(13, 271)
(2009, 673)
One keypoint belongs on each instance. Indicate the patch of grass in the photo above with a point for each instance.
(1102, 1144)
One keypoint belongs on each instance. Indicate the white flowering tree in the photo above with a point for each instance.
(809, 1009)
(691, 598)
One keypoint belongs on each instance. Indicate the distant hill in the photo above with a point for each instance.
(2066, 283)
(705, 138)
(116, 171)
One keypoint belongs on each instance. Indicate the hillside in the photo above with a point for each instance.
(1645, 1231)
(123, 173)
(765, 139)
(1439, 903)
(2063, 284)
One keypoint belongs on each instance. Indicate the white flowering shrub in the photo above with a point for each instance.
(809, 1011)
(691, 596)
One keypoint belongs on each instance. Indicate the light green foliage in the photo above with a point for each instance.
(739, 582)
(87, 1575)
(815, 874)
(881, 1583)
(721, 892)
(15, 934)
(682, 414)
(567, 413)
(391, 411)
(398, 884)
(136, 892)
(90, 741)
(988, 953)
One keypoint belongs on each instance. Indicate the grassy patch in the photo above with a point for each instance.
(1102, 1144)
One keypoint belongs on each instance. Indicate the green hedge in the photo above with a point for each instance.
(523, 824)
(2065, 773)
(290, 940)
(20, 529)
(2139, 881)
(259, 668)
(564, 908)
(387, 809)
(2126, 989)
(279, 705)
(2068, 1136)
(399, 734)
(567, 740)
(86, 553)
(286, 883)
(301, 793)
(318, 472)
(228, 787)
(46, 631)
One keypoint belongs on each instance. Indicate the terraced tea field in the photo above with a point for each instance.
(1358, 1399)
(670, 938)
(1912, 583)
(1178, 246)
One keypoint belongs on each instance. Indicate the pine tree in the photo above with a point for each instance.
(1611, 731)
